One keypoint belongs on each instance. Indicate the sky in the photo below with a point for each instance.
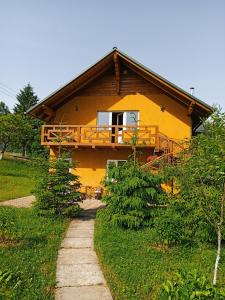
(48, 42)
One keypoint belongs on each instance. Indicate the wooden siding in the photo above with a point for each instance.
(130, 83)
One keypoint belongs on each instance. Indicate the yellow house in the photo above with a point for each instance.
(115, 105)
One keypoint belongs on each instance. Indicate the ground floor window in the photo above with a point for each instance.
(111, 163)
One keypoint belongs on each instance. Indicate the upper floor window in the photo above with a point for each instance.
(117, 118)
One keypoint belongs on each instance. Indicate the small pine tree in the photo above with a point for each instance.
(57, 191)
(130, 191)
(26, 99)
(4, 109)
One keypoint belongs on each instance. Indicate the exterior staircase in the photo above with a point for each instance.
(166, 150)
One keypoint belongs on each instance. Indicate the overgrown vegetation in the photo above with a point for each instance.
(192, 219)
(57, 191)
(130, 191)
(136, 266)
(17, 178)
(191, 285)
(28, 250)
(198, 208)
(18, 131)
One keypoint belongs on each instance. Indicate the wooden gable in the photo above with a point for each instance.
(130, 83)
(118, 74)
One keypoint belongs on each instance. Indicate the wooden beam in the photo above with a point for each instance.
(163, 83)
(190, 108)
(160, 86)
(117, 72)
(49, 111)
(72, 94)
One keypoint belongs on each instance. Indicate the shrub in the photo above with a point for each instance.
(130, 190)
(57, 191)
(190, 285)
(181, 223)
(169, 227)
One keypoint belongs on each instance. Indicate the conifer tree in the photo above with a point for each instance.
(26, 99)
(29, 142)
(57, 191)
(4, 110)
(130, 192)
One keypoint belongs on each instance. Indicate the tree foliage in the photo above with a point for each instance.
(18, 131)
(4, 110)
(190, 285)
(200, 179)
(130, 191)
(57, 191)
(26, 99)
(10, 126)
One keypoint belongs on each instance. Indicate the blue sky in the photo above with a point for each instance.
(48, 42)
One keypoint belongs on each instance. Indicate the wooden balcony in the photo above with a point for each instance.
(108, 136)
(99, 136)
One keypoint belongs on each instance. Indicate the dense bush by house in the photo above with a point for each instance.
(130, 191)
(57, 191)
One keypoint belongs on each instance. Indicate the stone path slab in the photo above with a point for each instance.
(84, 293)
(78, 274)
(22, 202)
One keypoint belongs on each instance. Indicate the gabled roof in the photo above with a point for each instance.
(197, 107)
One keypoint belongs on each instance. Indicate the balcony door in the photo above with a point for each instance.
(117, 119)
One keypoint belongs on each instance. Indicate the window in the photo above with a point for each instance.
(103, 118)
(132, 118)
(117, 118)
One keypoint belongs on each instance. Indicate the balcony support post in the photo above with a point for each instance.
(117, 72)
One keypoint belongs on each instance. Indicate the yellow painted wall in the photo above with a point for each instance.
(92, 163)
(82, 110)
(173, 121)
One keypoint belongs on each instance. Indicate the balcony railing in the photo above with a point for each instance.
(109, 135)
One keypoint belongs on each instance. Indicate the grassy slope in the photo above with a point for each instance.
(17, 179)
(35, 254)
(134, 269)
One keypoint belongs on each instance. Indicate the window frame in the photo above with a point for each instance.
(113, 161)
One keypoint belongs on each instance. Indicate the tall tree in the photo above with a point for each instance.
(26, 98)
(200, 176)
(9, 131)
(30, 128)
(4, 110)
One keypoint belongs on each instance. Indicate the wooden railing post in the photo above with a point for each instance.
(42, 134)
(79, 135)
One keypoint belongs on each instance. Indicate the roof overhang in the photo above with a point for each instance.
(46, 108)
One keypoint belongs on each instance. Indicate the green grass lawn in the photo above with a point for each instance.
(17, 179)
(31, 250)
(135, 269)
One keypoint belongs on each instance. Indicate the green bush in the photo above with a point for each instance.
(57, 191)
(169, 227)
(190, 285)
(130, 190)
(181, 223)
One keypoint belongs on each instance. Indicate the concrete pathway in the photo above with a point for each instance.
(19, 202)
(78, 274)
